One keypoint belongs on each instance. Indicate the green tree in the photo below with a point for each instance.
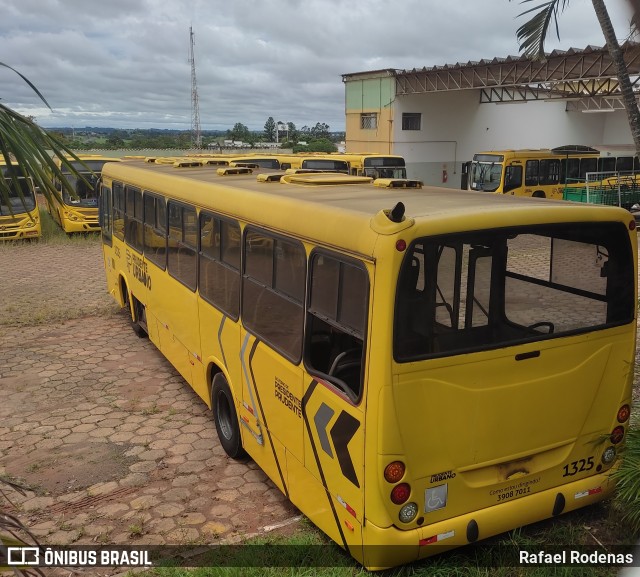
(270, 129)
(293, 135)
(319, 145)
(25, 143)
(320, 131)
(239, 132)
(533, 34)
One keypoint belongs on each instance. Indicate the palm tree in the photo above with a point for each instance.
(533, 33)
(31, 147)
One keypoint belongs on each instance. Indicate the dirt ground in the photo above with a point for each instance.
(112, 442)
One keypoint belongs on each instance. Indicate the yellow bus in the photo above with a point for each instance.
(542, 173)
(416, 370)
(78, 212)
(19, 215)
(312, 161)
(375, 165)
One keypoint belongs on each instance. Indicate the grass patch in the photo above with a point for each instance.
(53, 234)
(309, 552)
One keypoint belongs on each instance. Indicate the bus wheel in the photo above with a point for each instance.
(139, 330)
(226, 418)
(539, 194)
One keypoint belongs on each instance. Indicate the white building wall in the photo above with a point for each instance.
(455, 126)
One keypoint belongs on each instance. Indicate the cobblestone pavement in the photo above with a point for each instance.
(112, 441)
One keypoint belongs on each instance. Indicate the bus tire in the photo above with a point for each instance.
(137, 329)
(539, 194)
(226, 418)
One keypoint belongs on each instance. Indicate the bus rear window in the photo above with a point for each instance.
(492, 289)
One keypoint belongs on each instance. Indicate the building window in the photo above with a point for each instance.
(369, 121)
(411, 120)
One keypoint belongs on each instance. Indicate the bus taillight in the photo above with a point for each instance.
(624, 413)
(394, 471)
(617, 435)
(400, 493)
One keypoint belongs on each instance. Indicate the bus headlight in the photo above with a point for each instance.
(609, 455)
(408, 512)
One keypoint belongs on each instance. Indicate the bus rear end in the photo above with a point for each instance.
(510, 390)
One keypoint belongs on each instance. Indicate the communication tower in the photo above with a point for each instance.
(196, 136)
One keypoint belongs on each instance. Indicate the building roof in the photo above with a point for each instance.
(587, 73)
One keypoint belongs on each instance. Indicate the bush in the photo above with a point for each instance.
(627, 477)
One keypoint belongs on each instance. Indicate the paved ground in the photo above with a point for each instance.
(113, 442)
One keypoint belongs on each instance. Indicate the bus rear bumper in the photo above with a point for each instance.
(390, 546)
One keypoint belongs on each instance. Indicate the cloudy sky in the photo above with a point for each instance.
(125, 63)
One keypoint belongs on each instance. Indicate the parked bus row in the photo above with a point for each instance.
(543, 173)
(76, 210)
(416, 370)
(371, 165)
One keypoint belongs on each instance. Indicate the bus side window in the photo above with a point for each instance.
(336, 322)
(105, 214)
(155, 229)
(607, 164)
(531, 173)
(219, 263)
(118, 210)
(182, 244)
(550, 171)
(273, 290)
(133, 217)
(512, 177)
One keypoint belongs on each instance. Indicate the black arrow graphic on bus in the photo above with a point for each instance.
(342, 432)
(322, 417)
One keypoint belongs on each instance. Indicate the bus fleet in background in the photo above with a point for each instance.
(75, 207)
(575, 173)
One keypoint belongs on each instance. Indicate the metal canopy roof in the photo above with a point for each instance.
(585, 78)
(574, 149)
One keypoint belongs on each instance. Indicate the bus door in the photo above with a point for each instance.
(179, 335)
(333, 403)
(270, 409)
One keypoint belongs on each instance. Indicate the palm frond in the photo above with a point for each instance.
(33, 149)
(13, 532)
(533, 33)
(28, 82)
(627, 478)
